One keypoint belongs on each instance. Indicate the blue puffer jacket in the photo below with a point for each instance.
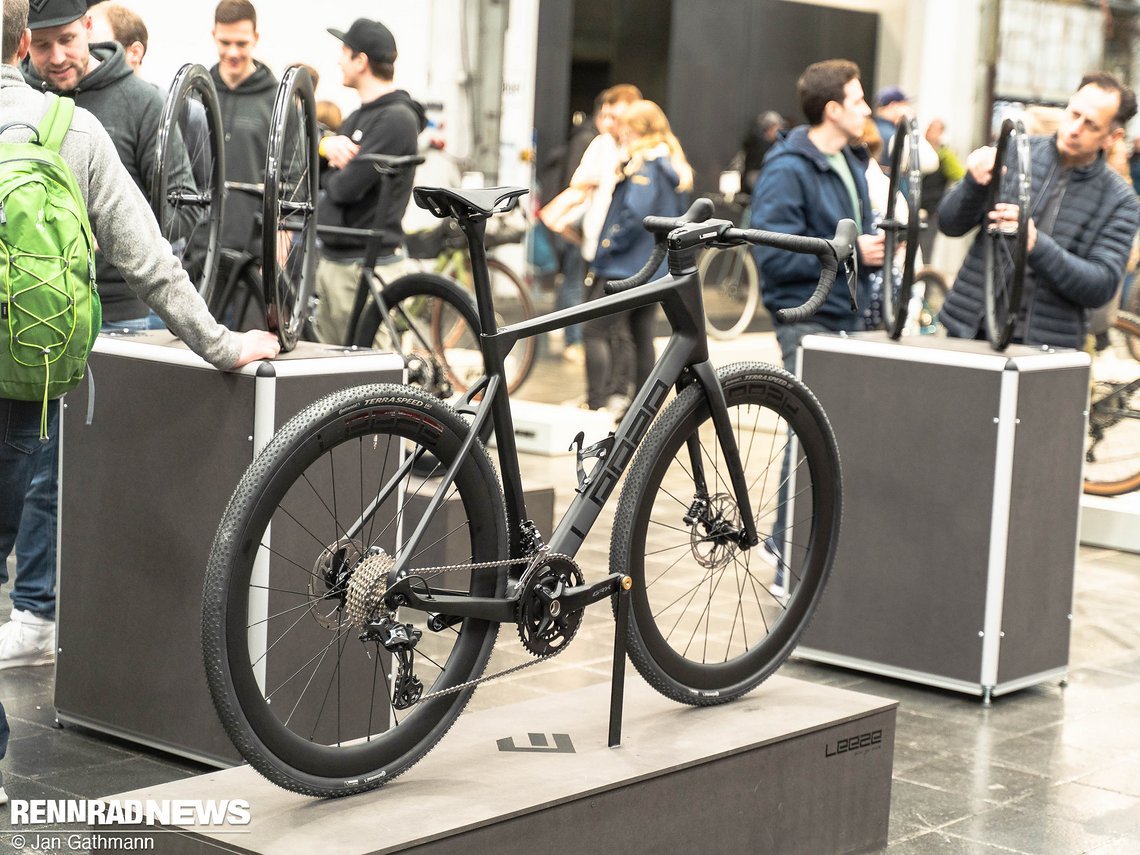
(799, 193)
(1075, 269)
(625, 245)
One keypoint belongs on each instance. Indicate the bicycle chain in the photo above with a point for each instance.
(428, 572)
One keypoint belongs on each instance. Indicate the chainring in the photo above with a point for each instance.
(544, 628)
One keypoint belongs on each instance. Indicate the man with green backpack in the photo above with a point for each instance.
(49, 309)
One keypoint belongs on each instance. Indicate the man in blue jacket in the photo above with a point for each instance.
(1083, 220)
(812, 179)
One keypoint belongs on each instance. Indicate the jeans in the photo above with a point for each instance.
(34, 590)
(610, 359)
(19, 459)
(570, 290)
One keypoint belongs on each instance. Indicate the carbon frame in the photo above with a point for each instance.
(684, 360)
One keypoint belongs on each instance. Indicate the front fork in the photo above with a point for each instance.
(718, 409)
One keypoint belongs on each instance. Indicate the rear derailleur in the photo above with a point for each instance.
(399, 639)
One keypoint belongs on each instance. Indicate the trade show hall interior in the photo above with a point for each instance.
(980, 588)
(1048, 770)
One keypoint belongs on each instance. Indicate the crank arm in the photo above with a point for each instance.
(581, 596)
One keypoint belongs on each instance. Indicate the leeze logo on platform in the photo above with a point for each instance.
(539, 742)
(871, 740)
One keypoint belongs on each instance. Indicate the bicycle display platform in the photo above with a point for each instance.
(962, 478)
(793, 767)
(1111, 521)
(147, 470)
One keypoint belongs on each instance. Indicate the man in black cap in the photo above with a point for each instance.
(388, 122)
(62, 59)
(125, 227)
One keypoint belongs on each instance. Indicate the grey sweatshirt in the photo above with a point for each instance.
(130, 110)
(123, 223)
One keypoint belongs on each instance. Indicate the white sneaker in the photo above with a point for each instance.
(27, 639)
(3, 797)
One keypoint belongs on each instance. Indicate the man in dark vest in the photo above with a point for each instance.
(1082, 221)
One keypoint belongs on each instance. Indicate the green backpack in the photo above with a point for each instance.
(49, 309)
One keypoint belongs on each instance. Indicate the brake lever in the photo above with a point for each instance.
(851, 267)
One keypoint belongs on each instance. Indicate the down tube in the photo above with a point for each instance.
(584, 510)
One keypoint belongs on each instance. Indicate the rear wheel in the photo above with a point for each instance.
(188, 183)
(296, 574)
(710, 619)
(1112, 449)
(1005, 249)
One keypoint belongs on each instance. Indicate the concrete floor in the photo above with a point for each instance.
(1049, 770)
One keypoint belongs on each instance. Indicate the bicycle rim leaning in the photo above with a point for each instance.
(189, 175)
(710, 620)
(308, 703)
(898, 267)
(413, 304)
(1112, 446)
(289, 209)
(1005, 252)
(453, 335)
(731, 290)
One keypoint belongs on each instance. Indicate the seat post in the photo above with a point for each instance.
(475, 228)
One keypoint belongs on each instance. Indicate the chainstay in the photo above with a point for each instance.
(429, 572)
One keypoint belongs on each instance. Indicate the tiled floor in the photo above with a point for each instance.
(1048, 770)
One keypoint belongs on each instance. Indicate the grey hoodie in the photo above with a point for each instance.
(246, 112)
(123, 223)
(129, 109)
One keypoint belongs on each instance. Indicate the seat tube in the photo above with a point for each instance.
(475, 230)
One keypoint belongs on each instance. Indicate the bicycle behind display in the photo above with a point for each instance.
(1112, 449)
(352, 600)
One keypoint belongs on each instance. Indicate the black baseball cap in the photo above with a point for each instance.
(54, 13)
(369, 37)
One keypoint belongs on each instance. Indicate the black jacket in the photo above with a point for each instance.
(130, 109)
(246, 113)
(389, 125)
(798, 192)
(1075, 269)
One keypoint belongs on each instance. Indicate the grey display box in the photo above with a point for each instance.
(147, 468)
(962, 480)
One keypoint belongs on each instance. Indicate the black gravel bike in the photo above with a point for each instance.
(352, 599)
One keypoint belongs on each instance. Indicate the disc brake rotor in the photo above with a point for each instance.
(713, 538)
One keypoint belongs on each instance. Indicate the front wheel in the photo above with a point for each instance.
(297, 572)
(709, 618)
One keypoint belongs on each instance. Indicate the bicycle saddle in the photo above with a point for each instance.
(477, 204)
